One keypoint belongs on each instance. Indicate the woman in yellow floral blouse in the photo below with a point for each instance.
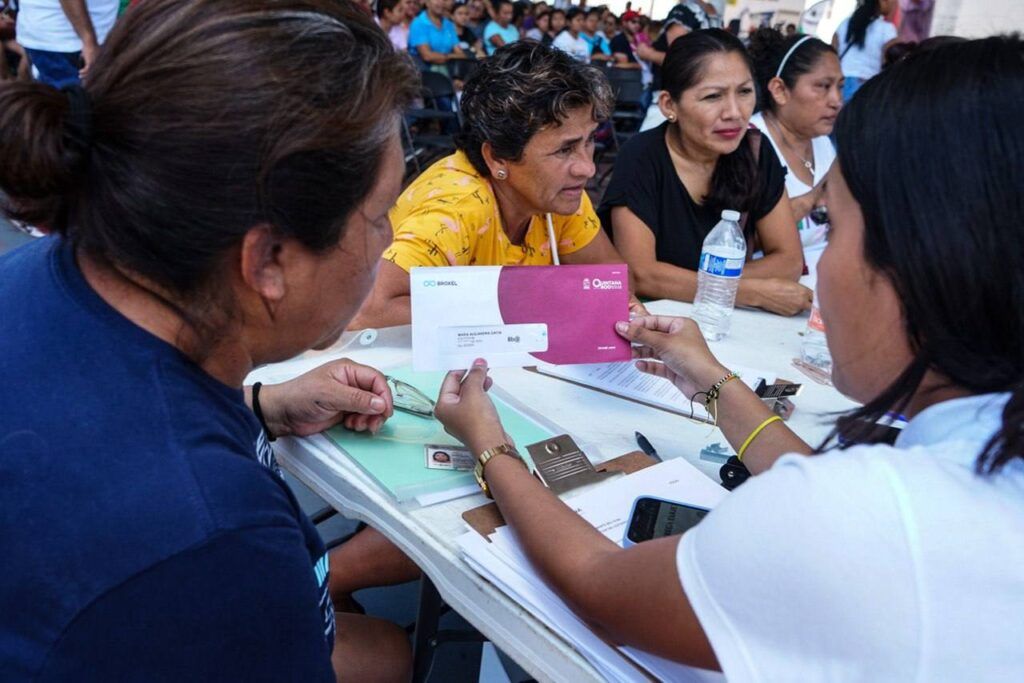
(515, 185)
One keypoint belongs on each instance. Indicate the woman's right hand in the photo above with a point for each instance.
(467, 412)
(678, 343)
(780, 296)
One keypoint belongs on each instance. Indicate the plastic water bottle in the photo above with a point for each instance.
(718, 276)
(814, 350)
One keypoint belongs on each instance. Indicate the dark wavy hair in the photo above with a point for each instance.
(735, 182)
(767, 48)
(857, 29)
(522, 88)
(931, 150)
(208, 118)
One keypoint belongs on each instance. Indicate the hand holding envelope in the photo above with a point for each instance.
(515, 316)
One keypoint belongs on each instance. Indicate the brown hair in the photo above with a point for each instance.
(203, 119)
(523, 88)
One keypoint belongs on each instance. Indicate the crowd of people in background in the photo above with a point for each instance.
(54, 41)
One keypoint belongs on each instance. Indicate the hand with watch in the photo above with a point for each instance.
(468, 414)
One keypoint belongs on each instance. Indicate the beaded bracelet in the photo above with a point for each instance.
(711, 397)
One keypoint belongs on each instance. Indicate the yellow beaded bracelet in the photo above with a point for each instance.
(753, 435)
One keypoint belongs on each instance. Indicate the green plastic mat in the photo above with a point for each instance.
(394, 456)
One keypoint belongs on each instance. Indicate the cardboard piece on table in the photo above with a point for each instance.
(486, 518)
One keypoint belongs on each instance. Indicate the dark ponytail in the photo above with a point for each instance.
(42, 161)
(202, 120)
(942, 223)
(735, 183)
(767, 49)
(857, 29)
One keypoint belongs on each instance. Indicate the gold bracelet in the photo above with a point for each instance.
(485, 457)
(753, 435)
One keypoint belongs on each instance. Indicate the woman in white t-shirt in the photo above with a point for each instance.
(861, 41)
(869, 562)
(799, 96)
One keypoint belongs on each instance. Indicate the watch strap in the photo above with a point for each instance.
(486, 456)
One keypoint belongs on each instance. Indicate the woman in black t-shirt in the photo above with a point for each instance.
(671, 183)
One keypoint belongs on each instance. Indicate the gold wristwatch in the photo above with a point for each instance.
(485, 457)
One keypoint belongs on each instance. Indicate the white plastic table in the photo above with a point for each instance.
(602, 424)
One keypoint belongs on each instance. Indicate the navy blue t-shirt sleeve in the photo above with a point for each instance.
(242, 607)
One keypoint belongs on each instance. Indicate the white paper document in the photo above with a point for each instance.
(623, 379)
(607, 507)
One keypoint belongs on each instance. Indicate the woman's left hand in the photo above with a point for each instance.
(467, 412)
(341, 391)
(685, 359)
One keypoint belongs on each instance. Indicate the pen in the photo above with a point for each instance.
(646, 446)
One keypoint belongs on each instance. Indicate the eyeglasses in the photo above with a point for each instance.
(409, 399)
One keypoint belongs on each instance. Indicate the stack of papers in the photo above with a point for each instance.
(623, 379)
(607, 507)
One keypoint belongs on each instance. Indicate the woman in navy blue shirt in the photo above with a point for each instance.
(218, 197)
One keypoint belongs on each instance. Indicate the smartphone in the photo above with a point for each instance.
(655, 518)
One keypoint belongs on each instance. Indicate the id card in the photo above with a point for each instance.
(449, 458)
(490, 339)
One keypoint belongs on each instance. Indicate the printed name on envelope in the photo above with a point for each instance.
(526, 338)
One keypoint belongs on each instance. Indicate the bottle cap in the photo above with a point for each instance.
(731, 215)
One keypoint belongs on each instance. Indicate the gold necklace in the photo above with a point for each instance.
(809, 165)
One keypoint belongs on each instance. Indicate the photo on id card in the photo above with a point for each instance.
(449, 458)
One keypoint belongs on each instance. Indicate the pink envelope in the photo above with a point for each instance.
(580, 305)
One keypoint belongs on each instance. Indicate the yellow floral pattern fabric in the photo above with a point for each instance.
(449, 217)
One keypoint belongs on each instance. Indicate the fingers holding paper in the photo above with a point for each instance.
(678, 344)
(467, 412)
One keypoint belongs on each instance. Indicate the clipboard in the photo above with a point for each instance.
(486, 518)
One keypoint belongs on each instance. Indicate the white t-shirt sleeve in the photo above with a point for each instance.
(564, 42)
(841, 33)
(42, 24)
(804, 569)
(887, 32)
